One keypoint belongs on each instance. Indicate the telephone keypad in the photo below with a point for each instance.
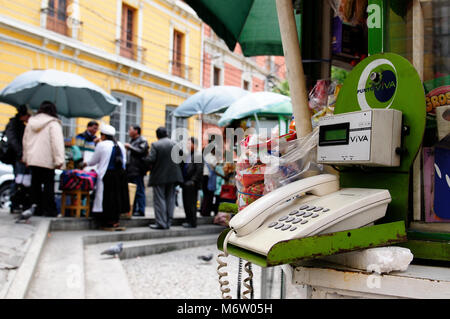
(293, 217)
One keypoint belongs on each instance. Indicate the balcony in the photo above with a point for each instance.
(131, 51)
(58, 21)
(181, 70)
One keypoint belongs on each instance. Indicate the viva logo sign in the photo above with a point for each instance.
(377, 85)
(357, 139)
(384, 89)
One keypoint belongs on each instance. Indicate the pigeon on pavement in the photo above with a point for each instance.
(26, 215)
(206, 258)
(114, 251)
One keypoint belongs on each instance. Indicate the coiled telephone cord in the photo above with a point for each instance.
(248, 282)
(223, 283)
(238, 292)
(224, 289)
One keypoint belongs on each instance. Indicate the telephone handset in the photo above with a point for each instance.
(307, 207)
(251, 217)
(284, 214)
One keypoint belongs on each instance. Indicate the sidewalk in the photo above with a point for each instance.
(15, 240)
(14, 243)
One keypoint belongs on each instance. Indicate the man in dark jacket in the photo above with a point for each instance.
(86, 141)
(89, 135)
(192, 168)
(14, 133)
(165, 174)
(137, 149)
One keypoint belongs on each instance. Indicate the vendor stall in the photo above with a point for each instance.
(382, 128)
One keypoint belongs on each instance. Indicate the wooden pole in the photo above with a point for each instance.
(294, 67)
(418, 51)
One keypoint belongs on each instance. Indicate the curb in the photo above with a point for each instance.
(23, 276)
(72, 223)
(150, 234)
(148, 249)
(19, 285)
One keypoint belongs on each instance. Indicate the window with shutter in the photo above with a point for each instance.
(177, 59)
(127, 45)
(56, 16)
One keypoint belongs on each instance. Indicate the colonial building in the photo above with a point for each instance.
(147, 53)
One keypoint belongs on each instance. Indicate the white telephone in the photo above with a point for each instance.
(308, 207)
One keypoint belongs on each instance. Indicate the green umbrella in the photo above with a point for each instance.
(258, 103)
(73, 95)
(252, 23)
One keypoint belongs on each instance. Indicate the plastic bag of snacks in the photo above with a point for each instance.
(322, 99)
(251, 165)
(299, 162)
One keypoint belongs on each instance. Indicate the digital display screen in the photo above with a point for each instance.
(335, 135)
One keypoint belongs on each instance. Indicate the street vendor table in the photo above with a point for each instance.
(325, 280)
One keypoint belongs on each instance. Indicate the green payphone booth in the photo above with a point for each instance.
(372, 140)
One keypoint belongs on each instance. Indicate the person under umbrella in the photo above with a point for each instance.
(14, 133)
(111, 193)
(43, 152)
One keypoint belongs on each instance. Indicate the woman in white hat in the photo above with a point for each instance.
(111, 196)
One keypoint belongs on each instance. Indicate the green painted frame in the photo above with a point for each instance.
(292, 251)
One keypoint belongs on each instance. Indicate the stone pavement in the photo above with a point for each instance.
(14, 242)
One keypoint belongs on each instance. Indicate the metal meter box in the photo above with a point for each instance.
(369, 138)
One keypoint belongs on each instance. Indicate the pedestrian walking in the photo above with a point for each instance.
(20, 188)
(137, 149)
(43, 152)
(111, 190)
(209, 183)
(220, 181)
(192, 168)
(165, 174)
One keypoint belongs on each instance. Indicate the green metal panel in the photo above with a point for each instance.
(407, 96)
(290, 251)
(425, 249)
(431, 236)
(375, 26)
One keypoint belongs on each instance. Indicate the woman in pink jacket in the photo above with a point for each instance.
(43, 151)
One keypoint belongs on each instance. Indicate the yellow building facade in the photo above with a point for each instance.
(147, 53)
